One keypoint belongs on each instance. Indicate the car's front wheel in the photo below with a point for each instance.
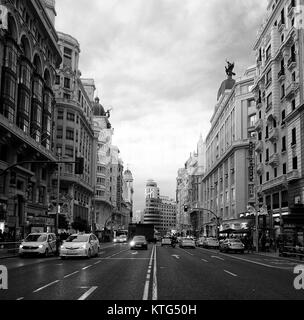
(89, 254)
(46, 253)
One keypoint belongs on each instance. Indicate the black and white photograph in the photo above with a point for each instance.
(151, 151)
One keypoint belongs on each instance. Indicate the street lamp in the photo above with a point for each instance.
(59, 152)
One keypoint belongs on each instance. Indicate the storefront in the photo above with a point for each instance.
(293, 229)
(40, 224)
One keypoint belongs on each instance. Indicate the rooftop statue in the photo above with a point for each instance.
(229, 69)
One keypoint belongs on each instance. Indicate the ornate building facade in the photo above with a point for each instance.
(29, 55)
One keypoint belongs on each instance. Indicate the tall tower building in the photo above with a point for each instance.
(152, 210)
(279, 96)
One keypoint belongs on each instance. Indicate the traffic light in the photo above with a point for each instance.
(185, 208)
(79, 165)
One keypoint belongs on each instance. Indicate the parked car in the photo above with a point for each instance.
(210, 243)
(166, 241)
(232, 245)
(80, 245)
(200, 241)
(139, 242)
(187, 243)
(38, 244)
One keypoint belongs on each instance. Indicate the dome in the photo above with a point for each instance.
(128, 175)
(98, 109)
(151, 183)
(227, 84)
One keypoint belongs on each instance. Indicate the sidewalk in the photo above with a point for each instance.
(276, 255)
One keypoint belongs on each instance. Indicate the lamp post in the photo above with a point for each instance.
(59, 152)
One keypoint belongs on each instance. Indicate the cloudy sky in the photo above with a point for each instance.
(159, 64)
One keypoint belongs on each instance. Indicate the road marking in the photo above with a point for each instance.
(20, 298)
(115, 254)
(37, 290)
(191, 254)
(204, 260)
(97, 262)
(87, 267)
(146, 289)
(60, 264)
(134, 252)
(154, 289)
(232, 274)
(176, 256)
(125, 259)
(216, 257)
(88, 293)
(71, 274)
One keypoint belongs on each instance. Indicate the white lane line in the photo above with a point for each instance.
(37, 290)
(191, 254)
(146, 289)
(232, 274)
(115, 254)
(154, 288)
(204, 260)
(176, 256)
(216, 257)
(124, 259)
(97, 262)
(87, 267)
(71, 274)
(88, 293)
(20, 298)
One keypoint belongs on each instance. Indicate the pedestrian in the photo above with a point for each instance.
(1, 236)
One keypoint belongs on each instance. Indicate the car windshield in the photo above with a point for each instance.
(36, 238)
(77, 238)
(139, 238)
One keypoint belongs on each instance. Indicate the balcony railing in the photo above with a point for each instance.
(259, 146)
(274, 160)
(293, 175)
(258, 125)
(281, 75)
(274, 135)
(291, 89)
(281, 25)
(290, 9)
(282, 180)
(260, 168)
(291, 62)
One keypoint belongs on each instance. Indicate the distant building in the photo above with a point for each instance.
(152, 213)
(167, 208)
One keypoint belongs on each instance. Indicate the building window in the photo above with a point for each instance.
(67, 57)
(275, 172)
(71, 116)
(295, 163)
(268, 53)
(69, 151)
(69, 134)
(66, 96)
(267, 155)
(269, 101)
(60, 114)
(282, 91)
(67, 83)
(284, 168)
(283, 116)
(293, 105)
(294, 137)
(59, 133)
(268, 77)
(283, 144)
(267, 176)
(57, 80)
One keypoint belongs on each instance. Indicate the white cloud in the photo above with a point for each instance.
(159, 63)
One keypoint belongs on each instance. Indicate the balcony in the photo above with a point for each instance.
(258, 125)
(291, 64)
(274, 160)
(260, 168)
(293, 175)
(290, 10)
(259, 103)
(274, 135)
(291, 90)
(259, 146)
(275, 183)
(281, 75)
(281, 25)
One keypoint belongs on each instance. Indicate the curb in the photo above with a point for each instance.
(11, 256)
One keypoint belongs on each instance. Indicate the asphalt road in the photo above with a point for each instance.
(159, 273)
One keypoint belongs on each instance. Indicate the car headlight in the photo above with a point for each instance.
(62, 247)
(21, 246)
(83, 247)
(132, 243)
(115, 240)
(41, 246)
